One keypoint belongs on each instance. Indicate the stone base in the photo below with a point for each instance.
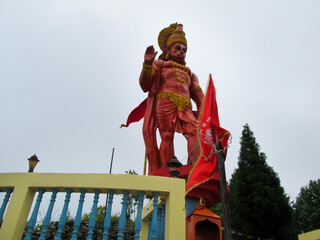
(209, 191)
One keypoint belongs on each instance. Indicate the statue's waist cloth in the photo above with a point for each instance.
(174, 112)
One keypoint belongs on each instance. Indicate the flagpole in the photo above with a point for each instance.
(224, 193)
(145, 164)
(109, 173)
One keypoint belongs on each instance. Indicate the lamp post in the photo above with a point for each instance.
(173, 165)
(33, 161)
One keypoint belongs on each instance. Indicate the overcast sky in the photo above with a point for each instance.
(69, 77)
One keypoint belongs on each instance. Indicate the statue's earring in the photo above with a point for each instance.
(167, 56)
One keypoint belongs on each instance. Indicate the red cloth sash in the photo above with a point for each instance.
(137, 114)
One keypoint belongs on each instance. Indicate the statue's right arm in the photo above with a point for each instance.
(146, 77)
(147, 73)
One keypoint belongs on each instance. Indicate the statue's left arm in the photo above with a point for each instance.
(196, 91)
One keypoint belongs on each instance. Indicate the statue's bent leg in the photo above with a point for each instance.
(193, 145)
(166, 116)
(166, 146)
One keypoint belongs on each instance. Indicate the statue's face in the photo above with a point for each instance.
(177, 52)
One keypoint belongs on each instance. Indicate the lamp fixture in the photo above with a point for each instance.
(33, 161)
(173, 165)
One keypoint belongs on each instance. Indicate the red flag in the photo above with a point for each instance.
(210, 134)
(137, 114)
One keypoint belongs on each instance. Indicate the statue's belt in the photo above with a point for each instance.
(180, 102)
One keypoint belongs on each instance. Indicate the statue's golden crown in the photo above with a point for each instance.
(170, 35)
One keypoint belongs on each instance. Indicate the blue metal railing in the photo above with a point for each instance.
(63, 216)
(33, 218)
(5, 203)
(138, 219)
(156, 224)
(19, 189)
(47, 218)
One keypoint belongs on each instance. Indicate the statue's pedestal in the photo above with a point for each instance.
(209, 191)
(202, 224)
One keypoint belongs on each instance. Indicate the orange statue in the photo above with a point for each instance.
(170, 86)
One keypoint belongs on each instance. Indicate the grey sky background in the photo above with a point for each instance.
(69, 77)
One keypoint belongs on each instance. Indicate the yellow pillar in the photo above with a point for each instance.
(175, 224)
(144, 229)
(17, 213)
(146, 213)
(175, 217)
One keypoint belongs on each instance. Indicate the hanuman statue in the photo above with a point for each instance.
(170, 85)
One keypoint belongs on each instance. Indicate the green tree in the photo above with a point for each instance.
(132, 199)
(217, 209)
(307, 207)
(100, 215)
(258, 204)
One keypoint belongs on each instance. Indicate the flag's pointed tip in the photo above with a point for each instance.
(210, 77)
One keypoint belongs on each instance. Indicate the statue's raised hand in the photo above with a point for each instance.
(149, 55)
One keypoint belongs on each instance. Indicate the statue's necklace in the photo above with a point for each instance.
(182, 69)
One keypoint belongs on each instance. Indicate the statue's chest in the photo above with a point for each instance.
(175, 75)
